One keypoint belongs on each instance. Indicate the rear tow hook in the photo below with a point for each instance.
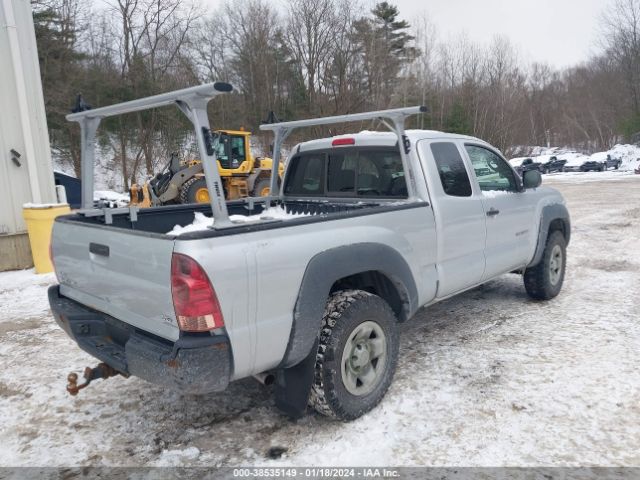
(101, 371)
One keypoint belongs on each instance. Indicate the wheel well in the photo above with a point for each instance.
(558, 225)
(379, 284)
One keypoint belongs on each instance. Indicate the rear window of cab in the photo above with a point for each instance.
(347, 172)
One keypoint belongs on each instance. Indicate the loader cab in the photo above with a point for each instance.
(233, 152)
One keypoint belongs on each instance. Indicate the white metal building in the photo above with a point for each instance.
(26, 173)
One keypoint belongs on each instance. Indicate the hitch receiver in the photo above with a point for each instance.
(101, 371)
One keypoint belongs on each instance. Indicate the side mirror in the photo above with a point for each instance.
(531, 179)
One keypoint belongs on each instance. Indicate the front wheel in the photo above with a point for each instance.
(357, 355)
(544, 281)
(194, 191)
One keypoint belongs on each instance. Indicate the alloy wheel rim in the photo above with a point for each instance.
(555, 265)
(364, 358)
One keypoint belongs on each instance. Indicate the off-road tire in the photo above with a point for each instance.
(261, 182)
(346, 310)
(190, 187)
(537, 279)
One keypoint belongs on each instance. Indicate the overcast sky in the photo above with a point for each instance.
(558, 32)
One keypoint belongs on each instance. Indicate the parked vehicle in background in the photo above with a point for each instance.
(611, 162)
(593, 166)
(575, 162)
(384, 224)
(525, 164)
(552, 164)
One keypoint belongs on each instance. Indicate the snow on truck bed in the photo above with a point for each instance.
(202, 222)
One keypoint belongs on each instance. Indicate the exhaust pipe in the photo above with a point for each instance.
(265, 378)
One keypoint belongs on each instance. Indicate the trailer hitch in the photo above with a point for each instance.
(101, 371)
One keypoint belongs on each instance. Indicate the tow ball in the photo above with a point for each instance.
(101, 371)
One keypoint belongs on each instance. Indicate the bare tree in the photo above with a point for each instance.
(309, 39)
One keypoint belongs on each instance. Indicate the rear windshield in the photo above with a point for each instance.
(347, 172)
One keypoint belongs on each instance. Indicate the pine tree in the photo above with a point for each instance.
(385, 48)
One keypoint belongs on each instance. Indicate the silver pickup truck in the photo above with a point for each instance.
(392, 222)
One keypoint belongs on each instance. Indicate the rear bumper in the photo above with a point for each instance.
(191, 364)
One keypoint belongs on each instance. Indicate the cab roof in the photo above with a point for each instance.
(387, 139)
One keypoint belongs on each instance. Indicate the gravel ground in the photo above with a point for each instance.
(489, 378)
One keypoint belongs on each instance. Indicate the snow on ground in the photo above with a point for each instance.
(587, 177)
(486, 378)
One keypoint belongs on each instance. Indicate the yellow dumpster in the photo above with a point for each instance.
(39, 220)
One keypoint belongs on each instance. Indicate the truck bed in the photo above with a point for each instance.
(123, 268)
(157, 221)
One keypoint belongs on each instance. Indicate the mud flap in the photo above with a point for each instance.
(293, 385)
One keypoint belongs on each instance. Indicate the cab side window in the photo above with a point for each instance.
(453, 174)
(306, 175)
(492, 171)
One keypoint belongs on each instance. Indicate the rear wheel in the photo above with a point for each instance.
(195, 191)
(357, 355)
(544, 281)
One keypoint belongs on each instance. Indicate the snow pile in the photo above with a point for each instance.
(202, 222)
(573, 158)
(629, 154)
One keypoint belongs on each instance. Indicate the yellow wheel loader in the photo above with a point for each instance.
(242, 174)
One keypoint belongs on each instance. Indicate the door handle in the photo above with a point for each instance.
(492, 212)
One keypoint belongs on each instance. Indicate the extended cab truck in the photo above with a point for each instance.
(392, 225)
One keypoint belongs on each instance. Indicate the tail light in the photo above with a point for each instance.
(194, 299)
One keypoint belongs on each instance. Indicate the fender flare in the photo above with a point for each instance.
(549, 214)
(329, 266)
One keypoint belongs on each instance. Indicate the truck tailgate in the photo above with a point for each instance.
(118, 272)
